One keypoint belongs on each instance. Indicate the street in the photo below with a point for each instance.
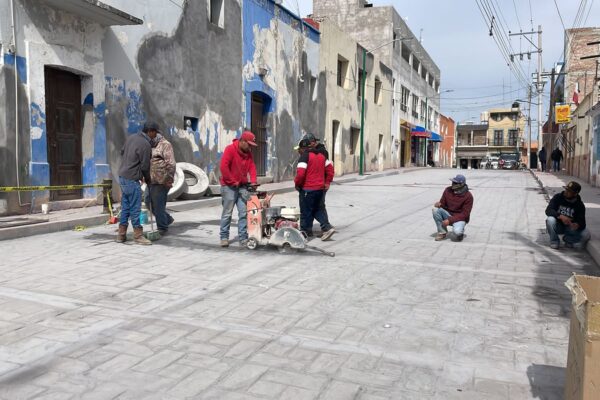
(394, 315)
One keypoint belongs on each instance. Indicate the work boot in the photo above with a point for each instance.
(138, 236)
(440, 236)
(122, 235)
(224, 243)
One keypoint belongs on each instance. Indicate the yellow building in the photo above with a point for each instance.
(506, 132)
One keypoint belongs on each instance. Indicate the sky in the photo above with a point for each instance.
(472, 66)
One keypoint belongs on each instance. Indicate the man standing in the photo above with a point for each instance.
(313, 177)
(454, 208)
(135, 166)
(162, 173)
(556, 157)
(543, 157)
(237, 170)
(566, 215)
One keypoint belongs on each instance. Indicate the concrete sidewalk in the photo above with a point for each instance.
(65, 220)
(553, 183)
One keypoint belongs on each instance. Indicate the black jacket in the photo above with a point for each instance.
(136, 155)
(556, 155)
(559, 205)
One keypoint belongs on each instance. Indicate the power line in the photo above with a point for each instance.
(560, 15)
(589, 11)
(517, 14)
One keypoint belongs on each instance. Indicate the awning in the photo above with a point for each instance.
(435, 137)
(96, 11)
(419, 131)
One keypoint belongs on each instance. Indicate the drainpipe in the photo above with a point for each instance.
(14, 32)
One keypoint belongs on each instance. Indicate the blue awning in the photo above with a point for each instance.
(419, 131)
(435, 137)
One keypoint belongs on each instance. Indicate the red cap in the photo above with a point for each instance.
(249, 137)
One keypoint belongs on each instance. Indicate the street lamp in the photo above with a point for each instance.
(362, 106)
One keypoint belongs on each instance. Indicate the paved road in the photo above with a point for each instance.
(395, 315)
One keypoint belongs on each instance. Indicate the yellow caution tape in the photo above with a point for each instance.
(62, 187)
(79, 228)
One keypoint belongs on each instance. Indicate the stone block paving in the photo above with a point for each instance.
(395, 315)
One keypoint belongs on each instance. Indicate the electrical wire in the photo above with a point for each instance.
(517, 15)
(560, 15)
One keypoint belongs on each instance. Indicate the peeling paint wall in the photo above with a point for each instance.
(177, 66)
(281, 63)
(345, 105)
(48, 37)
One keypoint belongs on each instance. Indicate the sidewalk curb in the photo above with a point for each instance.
(65, 225)
(593, 246)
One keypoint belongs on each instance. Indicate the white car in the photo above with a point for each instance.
(493, 160)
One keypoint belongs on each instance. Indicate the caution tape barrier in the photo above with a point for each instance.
(61, 187)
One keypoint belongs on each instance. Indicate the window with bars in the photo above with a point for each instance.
(404, 99)
(513, 137)
(498, 137)
(415, 106)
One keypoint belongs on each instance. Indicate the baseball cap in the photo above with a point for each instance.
(573, 187)
(459, 179)
(151, 126)
(249, 137)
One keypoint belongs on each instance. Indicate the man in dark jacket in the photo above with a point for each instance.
(237, 171)
(556, 157)
(313, 176)
(453, 209)
(566, 215)
(543, 158)
(135, 167)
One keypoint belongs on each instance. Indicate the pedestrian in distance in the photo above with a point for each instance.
(543, 158)
(453, 209)
(162, 174)
(566, 216)
(556, 157)
(313, 177)
(238, 173)
(135, 168)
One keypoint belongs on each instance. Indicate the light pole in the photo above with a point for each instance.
(362, 106)
(529, 130)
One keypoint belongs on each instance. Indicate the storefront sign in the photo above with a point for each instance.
(563, 114)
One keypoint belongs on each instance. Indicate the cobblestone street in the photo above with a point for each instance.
(395, 315)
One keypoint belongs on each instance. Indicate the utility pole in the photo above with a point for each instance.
(540, 89)
(529, 129)
(540, 86)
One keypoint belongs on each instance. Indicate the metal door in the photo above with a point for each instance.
(63, 130)
(259, 153)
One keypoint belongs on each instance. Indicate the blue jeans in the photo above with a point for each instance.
(234, 196)
(556, 165)
(555, 227)
(131, 202)
(312, 206)
(439, 215)
(156, 201)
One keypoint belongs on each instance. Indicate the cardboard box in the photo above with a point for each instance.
(583, 362)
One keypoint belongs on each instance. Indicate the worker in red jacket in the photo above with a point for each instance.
(237, 173)
(313, 177)
(453, 209)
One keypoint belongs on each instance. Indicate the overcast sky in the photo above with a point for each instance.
(457, 38)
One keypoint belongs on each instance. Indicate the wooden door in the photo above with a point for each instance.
(259, 152)
(63, 129)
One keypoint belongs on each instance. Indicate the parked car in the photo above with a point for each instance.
(490, 162)
(509, 161)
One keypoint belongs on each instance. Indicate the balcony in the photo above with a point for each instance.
(468, 141)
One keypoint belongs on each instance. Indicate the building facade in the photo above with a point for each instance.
(471, 144)
(445, 157)
(415, 76)
(341, 62)
(88, 74)
(506, 132)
